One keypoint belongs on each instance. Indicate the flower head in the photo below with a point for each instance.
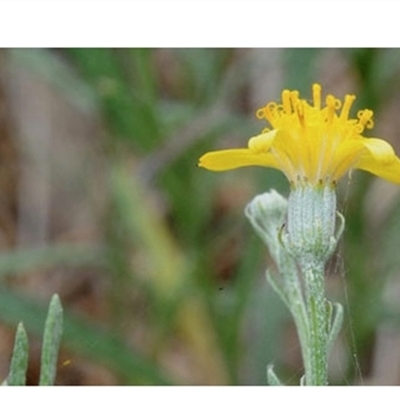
(312, 143)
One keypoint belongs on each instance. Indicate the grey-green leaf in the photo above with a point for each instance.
(19, 360)
(51, 342)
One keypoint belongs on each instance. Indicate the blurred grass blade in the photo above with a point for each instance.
(49, 66)
(128, 112)
(51, 342)
(167, 271)
(23, 260)
(19, 360)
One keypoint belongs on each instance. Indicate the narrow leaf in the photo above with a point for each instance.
(19, 360)
(51, 342)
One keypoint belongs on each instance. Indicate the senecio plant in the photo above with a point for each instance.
(314, 145)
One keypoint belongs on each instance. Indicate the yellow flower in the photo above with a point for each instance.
(311, 143)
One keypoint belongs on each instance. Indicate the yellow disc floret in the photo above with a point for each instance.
(314, 143)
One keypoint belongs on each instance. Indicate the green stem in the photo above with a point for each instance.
(317, 353)
(295, 294)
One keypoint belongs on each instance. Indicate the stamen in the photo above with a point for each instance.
(286, 102)
(270, 112)
(317, 95)
(365, 117)
(358, 128)
(348, 102)
(300, 113)
(260, 114)
(279, 110)
(294, 97)
(331, 106)
(330, 101)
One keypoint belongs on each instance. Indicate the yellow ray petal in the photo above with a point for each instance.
(235, 158)
(380, 160)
